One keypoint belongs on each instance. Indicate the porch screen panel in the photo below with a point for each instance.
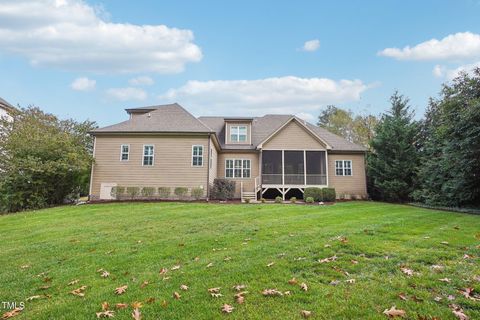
(316, 168)
(272, 167)
(294, 170)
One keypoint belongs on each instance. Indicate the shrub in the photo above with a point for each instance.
(293, 199)
(278, 199)
(314, 192)
(181, 192)
(329, 194)
(117, 192)
(164, 192)
(223, 189)
(148, 191)
(197, 193)
(309, 200)
(247, 200)
(133, 191)
(262, 200)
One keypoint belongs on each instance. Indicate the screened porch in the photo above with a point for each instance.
(295, 168)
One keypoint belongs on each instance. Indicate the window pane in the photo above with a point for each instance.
(200, 161)
(348, 172)
(229, 164)
(125, 148)
(200, 150)
(242, 130)
(124, 156)
(246, 173)
(229, 173)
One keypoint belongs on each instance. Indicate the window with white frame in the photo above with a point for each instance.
(237, 168)
(197, 156)
(238, 133)
(124, 152)
(343, 167)
(148, 155)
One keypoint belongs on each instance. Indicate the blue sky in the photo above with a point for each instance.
(91, 59)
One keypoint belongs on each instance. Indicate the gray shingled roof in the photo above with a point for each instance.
(6, 105)
(164, 118)
(174, 118)
(263, 127)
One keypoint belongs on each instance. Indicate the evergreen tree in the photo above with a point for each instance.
(392, 164)
(450, 170)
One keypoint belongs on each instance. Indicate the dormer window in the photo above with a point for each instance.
(238, 134)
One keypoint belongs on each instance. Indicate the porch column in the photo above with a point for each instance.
(283, 168)
(304, 167)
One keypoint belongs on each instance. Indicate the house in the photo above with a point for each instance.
(6, 109)
(269, 156)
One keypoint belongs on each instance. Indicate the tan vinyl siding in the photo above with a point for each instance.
(293, 137)
(248, 183)
(348, 185)
(214, 168)
(234, 124)
(172, 162)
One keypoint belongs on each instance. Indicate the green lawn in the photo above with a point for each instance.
(133, 242)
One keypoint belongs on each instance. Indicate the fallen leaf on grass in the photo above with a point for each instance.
(354, 261)
(210, 265)
(33, 298)
(44, 288)
(164, 304)
(121, 290)
(272, 292)
(293, 281)
(137, 305)
(402, 296)
(183, 287)
(80, 292)
(163, 270)
(458, 312)
(71, 283)
(444, 280)
(270, 264)
(176, 295)
(175, 267)
(444, 242)
(105, 274)
(106, 314)
(305, 313)
(105, 306)
(468, 293)
(121, 305)
(467, 256)
(144, 284)
(304, 286)
(240, 297)
(394, 312)
(239, 287)
(25, 266)
(330, 259)
(227, 259)
(350, 281)
(334, 282)
(214, 290)
(299, 259)
(438, 299)
(136, 314)
(408, 272)
(437, 267)
(150, 300)
(11, 314)
(216, 295)
(227, 308)
(476, 278)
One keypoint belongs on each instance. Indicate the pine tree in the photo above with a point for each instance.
(392, 164)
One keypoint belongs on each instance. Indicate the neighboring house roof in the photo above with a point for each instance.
(171, 118)
(175, 119)
(6, 106)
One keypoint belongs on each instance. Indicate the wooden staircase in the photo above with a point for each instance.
(250, 195)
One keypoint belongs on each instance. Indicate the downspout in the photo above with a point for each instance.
(208, 167)
(91, 170)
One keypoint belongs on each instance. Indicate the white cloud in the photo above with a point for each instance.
(141, 81)
(129, 93)
(458, 46)
(71, 35)
(287, 95)
(449, 73)
(311, 45)
(83, 84)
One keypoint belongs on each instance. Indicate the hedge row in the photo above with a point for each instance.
(121, 192)
(320, 194)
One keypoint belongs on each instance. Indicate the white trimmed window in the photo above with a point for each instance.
(197, 156)
(124, 152)
(343, 167)
(238, 133)
(148, 155)
(237, 168)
